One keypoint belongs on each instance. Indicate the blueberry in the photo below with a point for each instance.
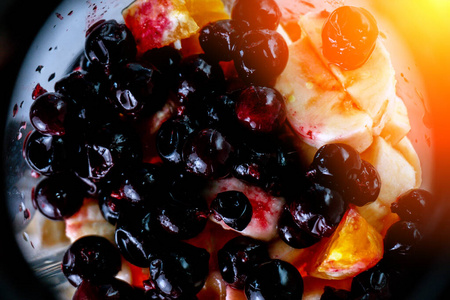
(234, 208)
(275, 279)
(238, 257)
(91, 258)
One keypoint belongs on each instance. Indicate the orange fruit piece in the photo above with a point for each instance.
(354, 247)
(157, 23)
(205, 11)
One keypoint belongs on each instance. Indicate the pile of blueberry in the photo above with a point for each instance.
(91, 140)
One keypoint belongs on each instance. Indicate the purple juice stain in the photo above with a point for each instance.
(15, 110)
(59, 16)
(37, 91)
(26, 214)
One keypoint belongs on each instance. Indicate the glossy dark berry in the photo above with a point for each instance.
(218, 39)
(179, 272)
(292, 234)
(112, 145)
(113, 289)
(59, 197)
(199, 77)
(142, 186)
(334, 165)
(252, 172)
(110, 207)
(171, 138)
(53, 114)
(215, 111)
(275, 279)
(364, 186)
(91, 258)
(78, 86)
(138, 88)
(238, 257)
(349, 37)
(257, 13)
(330, 293)
(374, 283)
(109, 43)
(413, 205)
(261, 56)
(206, 153)
(166, 59)
(233, 208)
(318, 210)
(183, 215)
(402, 240)
(135, 235)
(261, 109)
(49, 155)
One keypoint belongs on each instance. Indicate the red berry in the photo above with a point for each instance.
(349, 36)
(261, 109)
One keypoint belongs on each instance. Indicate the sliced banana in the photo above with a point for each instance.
(398, 168)
(398, 125)
(318, 108)
(371, 86)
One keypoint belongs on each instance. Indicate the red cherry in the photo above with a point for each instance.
(349, 36)
(261, 109)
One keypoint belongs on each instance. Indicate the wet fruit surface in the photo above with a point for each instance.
(274, 279)
(185, 161)
(349, 36)
(91, 258)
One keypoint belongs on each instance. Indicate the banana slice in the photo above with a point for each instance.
(398, 126)
(318, 108)
(371, 86)
(398, 168)
(89, 221)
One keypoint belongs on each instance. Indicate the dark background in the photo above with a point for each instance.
(20, 21)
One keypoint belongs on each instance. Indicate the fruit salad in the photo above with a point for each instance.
(202, 149)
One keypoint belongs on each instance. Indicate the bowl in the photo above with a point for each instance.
(417, 49)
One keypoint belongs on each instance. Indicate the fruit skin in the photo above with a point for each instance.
(261, 56)
(266, 208)
(109, 43)
(218, 39)
(113, 289)
(349, 36)
(238, 257)
(50, 114)
(59, 197)
(318, 109)
(261, 109)
(257, 13)
(234, 208)
(354, 247)
(179, 270)
(275, 279)
(401, 241)
(391, 163)
(371, 87)
(157, 23)
(413, 205)
(91, 258)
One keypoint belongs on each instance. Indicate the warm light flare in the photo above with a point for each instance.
(425, 26)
